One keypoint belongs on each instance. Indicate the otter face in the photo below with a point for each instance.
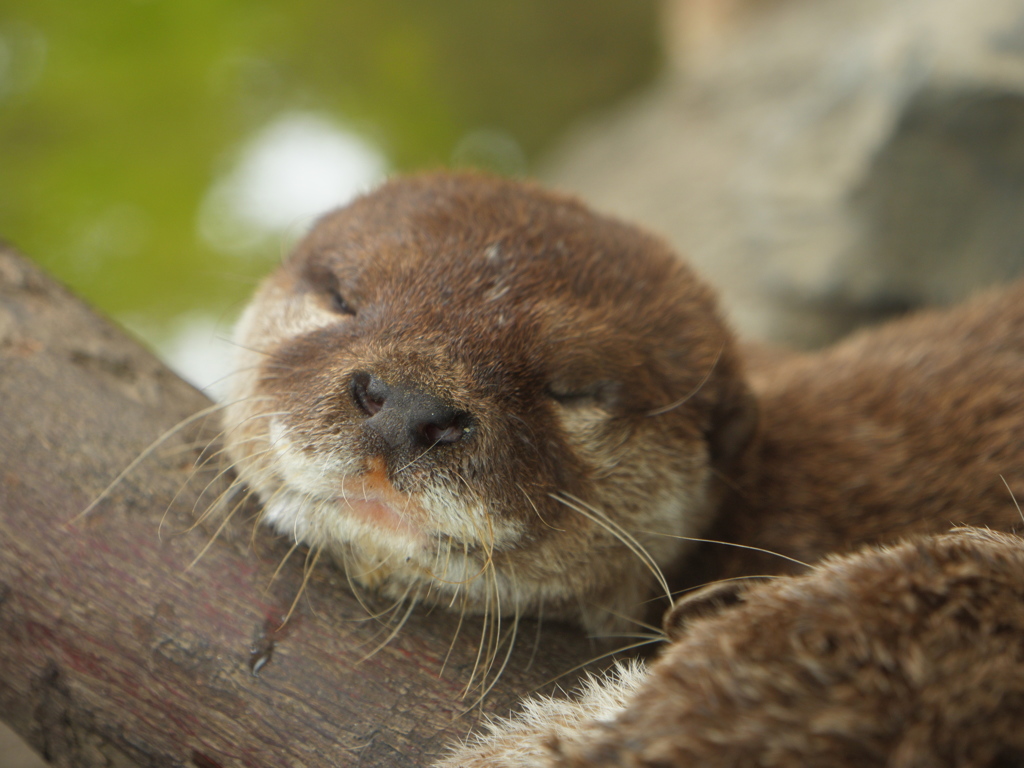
(478, 393)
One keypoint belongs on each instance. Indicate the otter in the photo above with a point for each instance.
(478, 393)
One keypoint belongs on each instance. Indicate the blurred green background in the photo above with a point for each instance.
(129, 129)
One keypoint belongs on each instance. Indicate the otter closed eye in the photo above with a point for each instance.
(339, 305)
(321, 278)
(599, 395)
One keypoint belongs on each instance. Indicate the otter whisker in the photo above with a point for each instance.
(397, 628)
(307, 496)
(462, 608)
(480, 647)
(386, 618)
(379, 564)
(494, 638)
(233, 490)
(146, 453)
(655, 637)
(536, 510)
(495, 643)
(536, 635)
(372, 615)
(511, 638)
(228, 376)
(235, 487)
(216, 439)
(700, 385)
(277, 571)
(310, 564)
(458, 626)
(493, 624)
(488, 548)
(256, 518)
(620, 533)
(729, 544)
(437, 559)
(1014, 498)
(206, 459)
(214, 504)
(725, 581)
(447, 566)
(191, 447)
(631, 619)
(403, 513)
(213, 538)
(255, 350)
(412, 461)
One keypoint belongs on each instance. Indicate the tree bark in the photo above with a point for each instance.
(115, 652)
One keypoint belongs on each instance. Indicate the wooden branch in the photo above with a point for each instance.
(113, 651)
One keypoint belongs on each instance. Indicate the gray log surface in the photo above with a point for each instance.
(113, 652)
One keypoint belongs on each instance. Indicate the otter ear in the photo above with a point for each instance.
(704, 602)
(733, 426)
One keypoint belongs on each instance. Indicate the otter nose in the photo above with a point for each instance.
(405, 415)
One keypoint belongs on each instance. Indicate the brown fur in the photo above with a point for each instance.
(911, 656)
(910, 428)
(595, 368)
(591, 362)
(601, 417)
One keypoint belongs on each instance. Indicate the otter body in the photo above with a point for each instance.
(908, 656)
(477, 393)
(484, 394)
(911, 428)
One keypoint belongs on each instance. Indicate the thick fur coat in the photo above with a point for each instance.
(478, 393)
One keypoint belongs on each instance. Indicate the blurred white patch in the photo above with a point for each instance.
(197, 347)
(297, 168)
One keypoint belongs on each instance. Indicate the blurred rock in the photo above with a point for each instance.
(826, 162)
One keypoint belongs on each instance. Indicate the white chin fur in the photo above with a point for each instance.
(320, 522)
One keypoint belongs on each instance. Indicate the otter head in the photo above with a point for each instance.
(479, 393)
